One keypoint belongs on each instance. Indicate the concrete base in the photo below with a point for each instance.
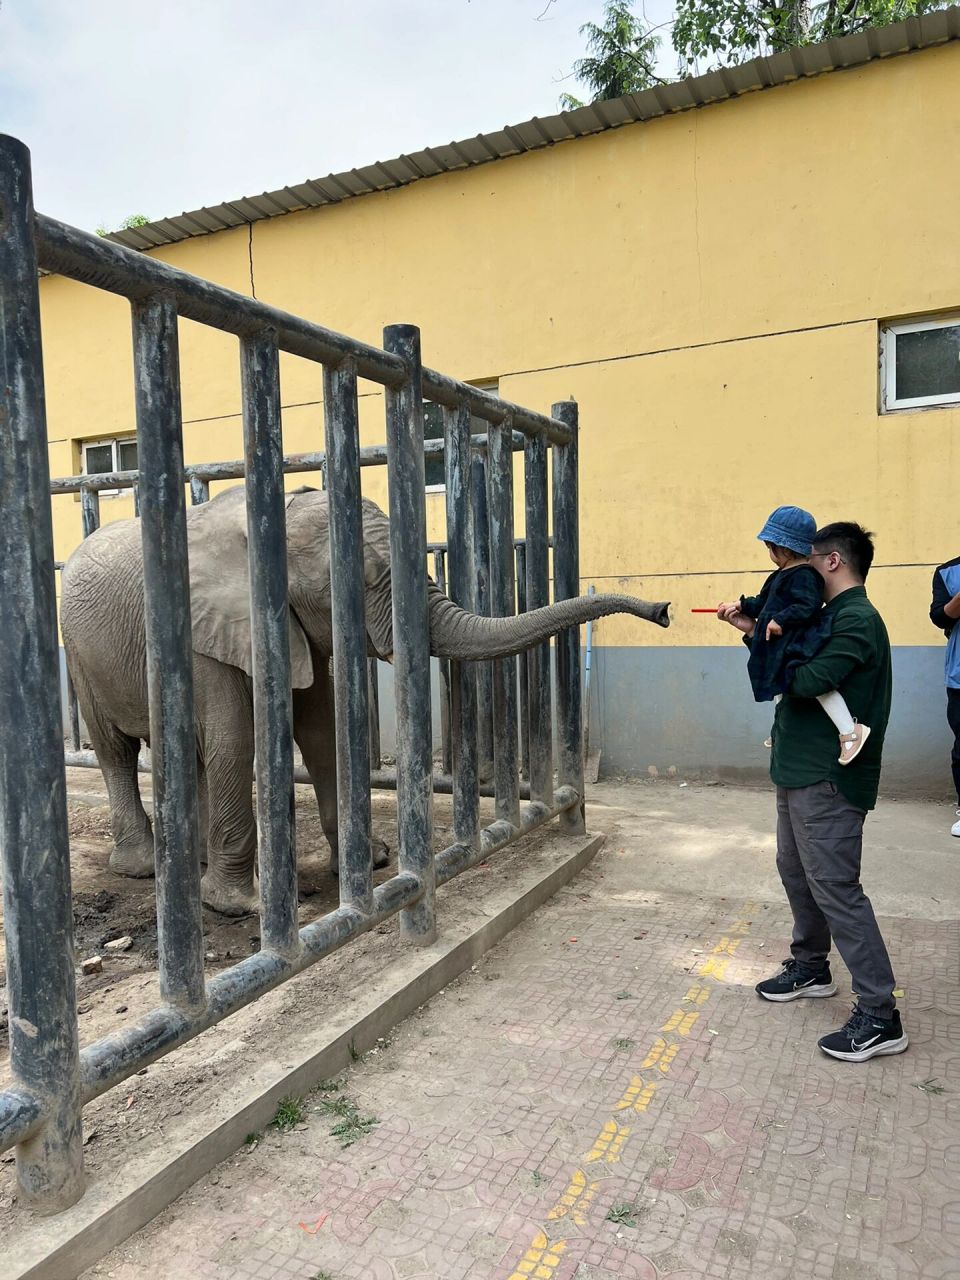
(61, 1248)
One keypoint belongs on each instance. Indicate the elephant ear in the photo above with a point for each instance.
(220, 589)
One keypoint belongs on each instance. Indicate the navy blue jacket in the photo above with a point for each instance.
(794, 598)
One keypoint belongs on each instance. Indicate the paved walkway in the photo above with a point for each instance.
(605, 1096)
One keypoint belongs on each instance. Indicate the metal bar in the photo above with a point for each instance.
(33, 808)
(373, 701)
(411, 633)
(443, 666)
(481, 605)
(537, 557)
(350, 672)
(374, 455)
(380, 779)
(463, 675)
(136, 500)
(502, 597)
(270, 642)
(566, 584)
(74, 713)
(460, 857)
(89, 510)
(520, 551)
(166, 589)
(199, 489)
(113, 267)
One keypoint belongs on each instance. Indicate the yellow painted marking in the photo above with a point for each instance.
(637, 1096)
(726, 946)
(697, 995)
(660, 1056)
(541, 1259)
(749, 908)
(740, 926)
(575, 1199)
(608, 1144)
(680, 1022)
(713, 967)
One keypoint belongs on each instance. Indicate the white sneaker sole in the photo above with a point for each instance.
(875, 1051)
(801, 993)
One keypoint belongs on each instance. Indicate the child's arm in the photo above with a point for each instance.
(802, 595)
(752, 606)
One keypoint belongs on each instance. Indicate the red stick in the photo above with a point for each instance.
(703, 611)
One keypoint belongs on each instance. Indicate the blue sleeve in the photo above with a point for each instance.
(941, 596)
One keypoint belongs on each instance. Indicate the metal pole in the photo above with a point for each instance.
(411, 631)
(199, 490)
(481, 605)
(373, 698)
(89, 511)
(538, 595)
(270, 642)
(566, 584)
(350, 672)
(443, 664)
(166, 589)
(502, 605)
(521, 553)
(463, 675)
(34, 840)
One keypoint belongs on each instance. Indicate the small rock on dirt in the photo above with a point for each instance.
(93, 965)
(120, 944)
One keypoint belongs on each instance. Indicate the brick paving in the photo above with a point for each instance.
(605, 1096)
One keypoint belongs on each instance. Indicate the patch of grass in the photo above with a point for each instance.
(930, 1085)
(356, 1055)
(538, 1178)
(252, 1139)
(291, 1111)
(322, 1275)
(625, 995)
(622, 1215)
(351, 1125)
(623, 1043)
(330, 1086)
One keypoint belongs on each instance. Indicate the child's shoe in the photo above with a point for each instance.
(851, 744)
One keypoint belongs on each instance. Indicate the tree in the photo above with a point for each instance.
(621, 58)
(128, 224)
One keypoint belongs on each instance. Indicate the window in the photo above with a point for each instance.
(920, 363)
(433, 430)
(101, 457)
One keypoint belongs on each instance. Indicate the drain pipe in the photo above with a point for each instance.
(591, 590)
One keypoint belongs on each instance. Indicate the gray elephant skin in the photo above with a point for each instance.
(102, 623)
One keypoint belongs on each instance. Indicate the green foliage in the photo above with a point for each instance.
(622, 1215)
(351, 1125)
(621, 56)
(130, 223)
(290, 1112)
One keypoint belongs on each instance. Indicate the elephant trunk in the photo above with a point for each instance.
(455, 633)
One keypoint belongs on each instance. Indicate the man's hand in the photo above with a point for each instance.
(952, 607)
(773, 629)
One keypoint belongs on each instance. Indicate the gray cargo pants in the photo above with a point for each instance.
(819, 841)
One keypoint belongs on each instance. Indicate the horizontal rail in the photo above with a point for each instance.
(461, 857)
(374, 455)
(380, 779)
(93, 260)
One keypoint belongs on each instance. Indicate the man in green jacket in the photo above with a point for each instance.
(821, 805)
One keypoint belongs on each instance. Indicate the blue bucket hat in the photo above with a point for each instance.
(790, 527)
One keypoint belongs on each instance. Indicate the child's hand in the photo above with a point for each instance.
(774, 629)
(728, 611)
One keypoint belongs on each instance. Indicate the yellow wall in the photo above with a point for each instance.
(707, 286)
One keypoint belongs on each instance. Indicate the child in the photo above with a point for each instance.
(791, 626)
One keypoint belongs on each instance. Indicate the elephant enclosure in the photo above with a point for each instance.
(142, 1111)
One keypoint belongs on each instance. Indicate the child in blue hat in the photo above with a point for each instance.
(791, 626)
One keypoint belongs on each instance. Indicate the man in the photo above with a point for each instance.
(821, 805)
(944, 612)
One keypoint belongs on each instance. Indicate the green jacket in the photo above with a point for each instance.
(855, 660)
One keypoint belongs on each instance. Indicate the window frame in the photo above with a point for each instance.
(889, 332)
(115, 442)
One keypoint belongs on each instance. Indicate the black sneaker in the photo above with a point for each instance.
(794, 982)
(864, 1036)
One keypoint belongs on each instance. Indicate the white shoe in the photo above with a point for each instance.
(955, 829)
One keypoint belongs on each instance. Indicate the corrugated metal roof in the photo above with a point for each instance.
(716, 86)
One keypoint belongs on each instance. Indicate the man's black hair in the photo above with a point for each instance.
(852, 543)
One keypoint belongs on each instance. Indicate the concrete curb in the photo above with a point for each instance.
(62, 1247)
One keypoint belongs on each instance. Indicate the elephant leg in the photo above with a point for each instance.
(314, 728)
(225, 734)
(117, 754)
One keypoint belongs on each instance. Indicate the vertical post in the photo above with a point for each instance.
(538, 595)
(350, 672)
(522, 667)
(411, 632)
(481, 605)
(463, 675)
(166, 589)
(502, 605)
(89, 510)
(373, 697)
(136, 499)
(33, 803)
(443, 664)
(270, 642)
(566, 584)
(74, 713)
(199, 490)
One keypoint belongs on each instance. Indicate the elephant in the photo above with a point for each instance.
(102, 624)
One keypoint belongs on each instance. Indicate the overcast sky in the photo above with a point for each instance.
(135, 109)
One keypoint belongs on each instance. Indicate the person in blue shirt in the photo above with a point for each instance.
(791, 624)
(944, 612)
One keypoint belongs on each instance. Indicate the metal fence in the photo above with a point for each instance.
(41, 1112)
